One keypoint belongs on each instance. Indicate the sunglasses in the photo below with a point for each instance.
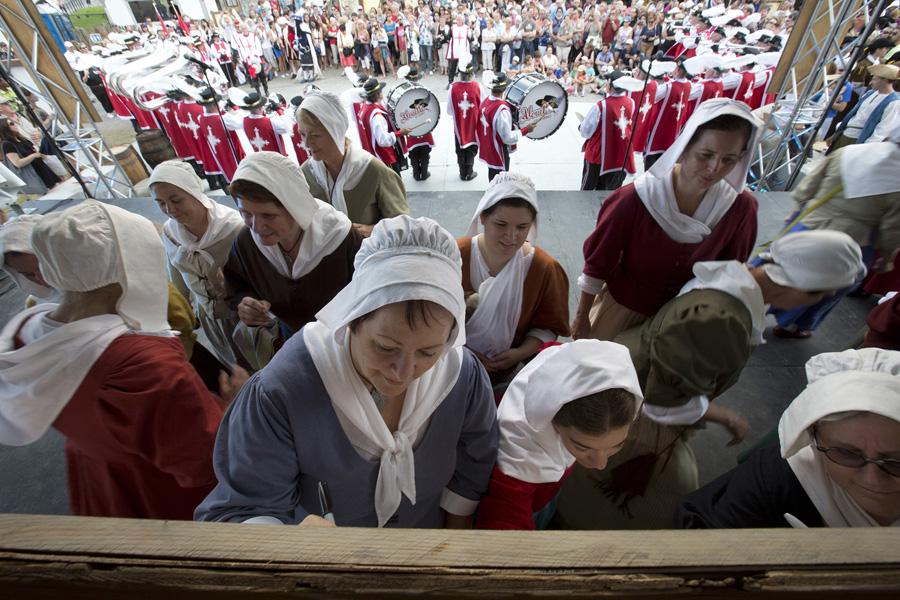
(855, 460)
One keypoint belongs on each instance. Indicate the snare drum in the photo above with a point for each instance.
(413, 106)
(537, 99)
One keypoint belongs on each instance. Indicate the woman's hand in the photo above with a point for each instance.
(231, 383)
(252, 312)
(734, 422)
(315, 521)
(506, 359)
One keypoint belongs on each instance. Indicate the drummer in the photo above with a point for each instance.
(372, 119)
(419, 147)
(497, 136)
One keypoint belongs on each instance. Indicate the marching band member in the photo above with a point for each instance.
(250, 51)
(645, 116)
(264, 132)
(607, 127)
(219, 156)
(297, 139)
(375, 135)
(458, 46)
(673, 97)
(221, 52)
(496, 137)
(419, 148)
(188, 114)
(463, 104)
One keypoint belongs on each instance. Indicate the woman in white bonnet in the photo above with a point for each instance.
(340, 172)
(198, 237)
(104, 369)
(378, 399)
(838, 462)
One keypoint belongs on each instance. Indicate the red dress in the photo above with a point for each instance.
(510, 503)
(140, 433)
(642, 266)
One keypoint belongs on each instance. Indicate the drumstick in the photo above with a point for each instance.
(425, 122)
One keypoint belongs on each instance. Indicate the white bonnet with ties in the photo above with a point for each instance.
(181, 175)
(404, 259)
(507, 185)
(327, 107)
(284, 179)
(814, 261)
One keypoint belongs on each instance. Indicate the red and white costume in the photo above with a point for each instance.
(218, 153)
(189, 113)
(645, 116)
(297, 143)
(673, 98)
(463, 105)
(607, 128)
(458, 45)
(167, 115)
(495, 130)
(264, 133)
(247, 46)
(221, 52)
(375, 135)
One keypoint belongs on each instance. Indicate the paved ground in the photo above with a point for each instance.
(33, 477)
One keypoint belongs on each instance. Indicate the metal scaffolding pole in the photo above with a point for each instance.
(794, 120)
(80, 133)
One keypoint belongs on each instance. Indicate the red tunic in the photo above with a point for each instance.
(366, 113)
(189, 113)
(607, 146)
(759, 92)
(115, 99)
(490, 145)
(144, 119)
(415, 142)
(297, 143)
(465, 97)
(744, 91)
(167, 115)
(262, 135)
(218, 157)
(642, 266)
(140, 433)
(510, 503)
(711, 89)
(646, 115)
(671, 117)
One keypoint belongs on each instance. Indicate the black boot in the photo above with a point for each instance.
(423, 167)
(414, 164)
(470, 168)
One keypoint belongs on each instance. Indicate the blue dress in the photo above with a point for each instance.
(281, 437)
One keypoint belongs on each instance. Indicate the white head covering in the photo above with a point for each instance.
(869, 169)
(14, 236)
(656, 187)
(329, 109)
(324, 227)
(81, 249)
(507, 185)
(530, 447)
(814, 261)
(856, 380)
(222, 221)
(404, 259)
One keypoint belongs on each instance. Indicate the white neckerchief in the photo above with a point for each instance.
(658, 196)
(328, 229)
(356, 161)
(39, 379)
(351, 399)
(870, 169)
(491, 329)
(222, 222)
(733, 278)
(856, 390)
(530, 449)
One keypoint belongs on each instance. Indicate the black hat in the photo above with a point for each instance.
(776, 40)
(253, 100)
(721, 31)
(734, 23)
(372, 86)
(414, 74)
(297, 100)
(879, 44)
(739, 35)
(499, 82)
(215, 34)
(765, 35)
(208, 96)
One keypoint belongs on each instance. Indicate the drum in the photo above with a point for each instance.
(413, 106)
(537, 100)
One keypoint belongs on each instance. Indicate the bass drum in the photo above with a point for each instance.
(537, 100)
(413, 106)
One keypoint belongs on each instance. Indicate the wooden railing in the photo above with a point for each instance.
(52, 556)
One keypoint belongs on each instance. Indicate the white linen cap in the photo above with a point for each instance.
(284, 179)
(92, 245)
(329, 109)
(404, 259)
(181, 175)
(814, 260)
(507, 185)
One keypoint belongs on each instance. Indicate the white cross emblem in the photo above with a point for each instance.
(679, 106)
(257, 142)
(718, 93)
(645, 108)
(177, 122)
(465, 105)
(484, 122)
(212, 139)
(749, 93)
(165, 112)
(623, 122)
(192, 126)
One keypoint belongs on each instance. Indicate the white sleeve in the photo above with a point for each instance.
(731, 81)
(661, 92)
(545, 335)
(761, 78)
(383, 137)
(590, 285)
(503, 127)
(234, 119)
(590, 123)
(263, 520)
(450, 105)
(686, 414)
(885, 128)
(281, 124)
(455, 504)
(696, 91)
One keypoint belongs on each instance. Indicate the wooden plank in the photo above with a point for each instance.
(637, 550)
